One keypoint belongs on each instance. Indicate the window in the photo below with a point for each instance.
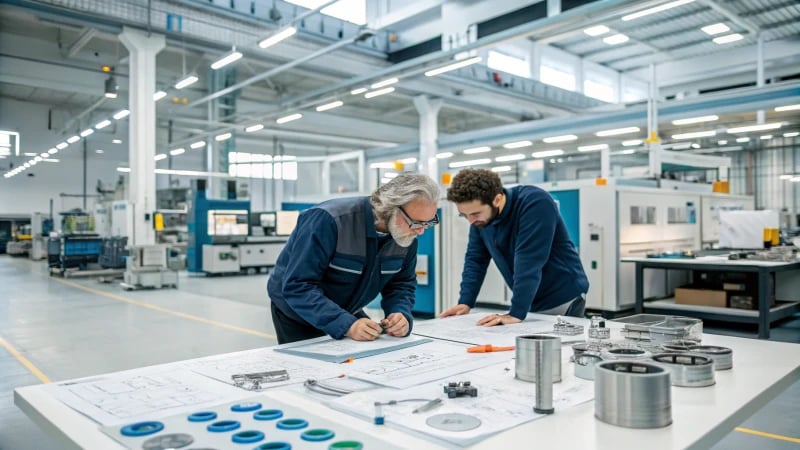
(600, 91)
(557, 78)
(509, 64)
(354, 11)
(250, 165)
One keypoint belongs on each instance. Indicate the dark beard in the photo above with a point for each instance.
(495, 212)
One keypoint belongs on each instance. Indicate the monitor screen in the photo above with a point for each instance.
(267, 220)
(227, 223)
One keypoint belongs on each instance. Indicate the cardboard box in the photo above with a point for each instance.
(689, 295)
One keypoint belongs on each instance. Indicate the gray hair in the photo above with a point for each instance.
(401, 190)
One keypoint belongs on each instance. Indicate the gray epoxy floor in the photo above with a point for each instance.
(69, 332)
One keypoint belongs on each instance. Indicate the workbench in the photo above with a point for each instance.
(701, 416)
(763, 317)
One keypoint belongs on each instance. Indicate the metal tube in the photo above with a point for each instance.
(526, 363)
(543, 355)
(632, 394)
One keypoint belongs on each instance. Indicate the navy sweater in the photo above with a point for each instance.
(334, 264)
(532, 249)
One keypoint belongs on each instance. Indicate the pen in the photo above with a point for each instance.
(489, 348)
(428, 406)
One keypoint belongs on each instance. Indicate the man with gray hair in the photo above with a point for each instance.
(343, 253)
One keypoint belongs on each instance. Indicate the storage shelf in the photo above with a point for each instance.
(669, 303)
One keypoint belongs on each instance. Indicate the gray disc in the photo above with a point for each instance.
(168, 441)
(453, 422)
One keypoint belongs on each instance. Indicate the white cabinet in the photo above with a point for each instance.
(259, 255)
(220, 259)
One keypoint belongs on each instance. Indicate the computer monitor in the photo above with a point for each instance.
(227, 223)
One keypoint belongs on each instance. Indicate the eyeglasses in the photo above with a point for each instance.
(417, 225)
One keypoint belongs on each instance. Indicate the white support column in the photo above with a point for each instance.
(428, 111)
(653, 141)
(760, 72)
(605, 163)
(142, 48)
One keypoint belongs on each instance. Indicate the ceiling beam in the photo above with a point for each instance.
(86, 35)
(747, 24)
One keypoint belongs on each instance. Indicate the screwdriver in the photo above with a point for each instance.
(489, 348)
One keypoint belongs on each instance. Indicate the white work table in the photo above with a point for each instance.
(701, 416)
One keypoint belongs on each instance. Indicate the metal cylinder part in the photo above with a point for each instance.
(525, 364)
(688, 370)
(722, 356)
(680, 345)
(632, 394)
(543, 357)
(584, 365)
(624, 353)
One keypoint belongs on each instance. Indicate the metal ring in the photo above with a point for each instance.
(624, 353)
(584, 365)
(688, 370)
(722, 356)
(632, 394)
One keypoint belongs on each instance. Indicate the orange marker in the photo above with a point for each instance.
(489, 348)
(349, 360)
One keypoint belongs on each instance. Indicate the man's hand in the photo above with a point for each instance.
(498, 319)
(395, 324)
(455, 311)
(364, 330)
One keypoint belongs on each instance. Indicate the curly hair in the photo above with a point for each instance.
(475, 184)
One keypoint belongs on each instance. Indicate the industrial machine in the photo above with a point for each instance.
(41, 226)
(76, 246)
(146, 267)
(21, 244)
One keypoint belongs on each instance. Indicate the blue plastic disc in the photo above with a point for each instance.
(274, 446)
(268, 414)
(247, 437)
(292, 424)
(202, 416)
(317, 435)
(223, 426)
(246, 407)
(141, 428)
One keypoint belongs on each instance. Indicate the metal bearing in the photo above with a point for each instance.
(632, 394)
(584, 365)
(624, 353)
(688, 370)
(679, 346)
(722, 356)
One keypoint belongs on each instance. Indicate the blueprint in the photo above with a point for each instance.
(464, 329)
(341, 350)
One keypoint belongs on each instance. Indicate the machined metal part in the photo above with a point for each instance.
(624, 353)
(584, 365)
(543, 355)
(321, 388)
(599, 333)
(564, 328)
(253, 381)
(168, 441)
(525, 363)
(679, 345)
(593, 348)
(722, 356)
(632, 394)
(453, 422)
(688, 370)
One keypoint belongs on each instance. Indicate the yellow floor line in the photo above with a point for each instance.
(25, 362)
(768, 435)
(166, 310)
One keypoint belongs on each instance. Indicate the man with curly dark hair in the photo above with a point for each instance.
(522, 230)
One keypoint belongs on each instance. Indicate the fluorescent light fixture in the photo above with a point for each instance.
(121, 114)
(548, 153)
(502, 169)
(231, 57)
(411, 160)
(695, 135)
(330, 105)
(655, 9)
(749, 128)
(286, 33)
(187, 81)
(51, 160)
(87, 132)
(390, 175)
(695, 145)
(382, 165)
(795, 179)
(766, 136)
(177, 151)
(384, 83)
(198, 144)
(471, 162)
(564, 138)
(45, 155)
(454, 66)
(29, 154)
(289, 118)
(358, 91)
(507, 158)
(26, 165)
(518, 144)
(728, 38)
(592, 148)
(444, 155)
(73, 139)
(617, 131)
(252, 128)
(786, 177)
(160, 156)
(38, 158)
(117, 141)
(743, 139)
(632, 142)
(596, 30)
(99, 151)
(474, 150)
(383, 91)
(52, 151)
(717, 28)
(692, 120)
(159, 95)
(787, 108)
(792, 134)
(34, 161)
(62, 146)
(123, 169)
(629, 151)
(722, 142)
(615, 39)
(222, 137)
(103, 124)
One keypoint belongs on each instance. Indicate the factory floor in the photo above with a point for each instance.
(55, 329)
